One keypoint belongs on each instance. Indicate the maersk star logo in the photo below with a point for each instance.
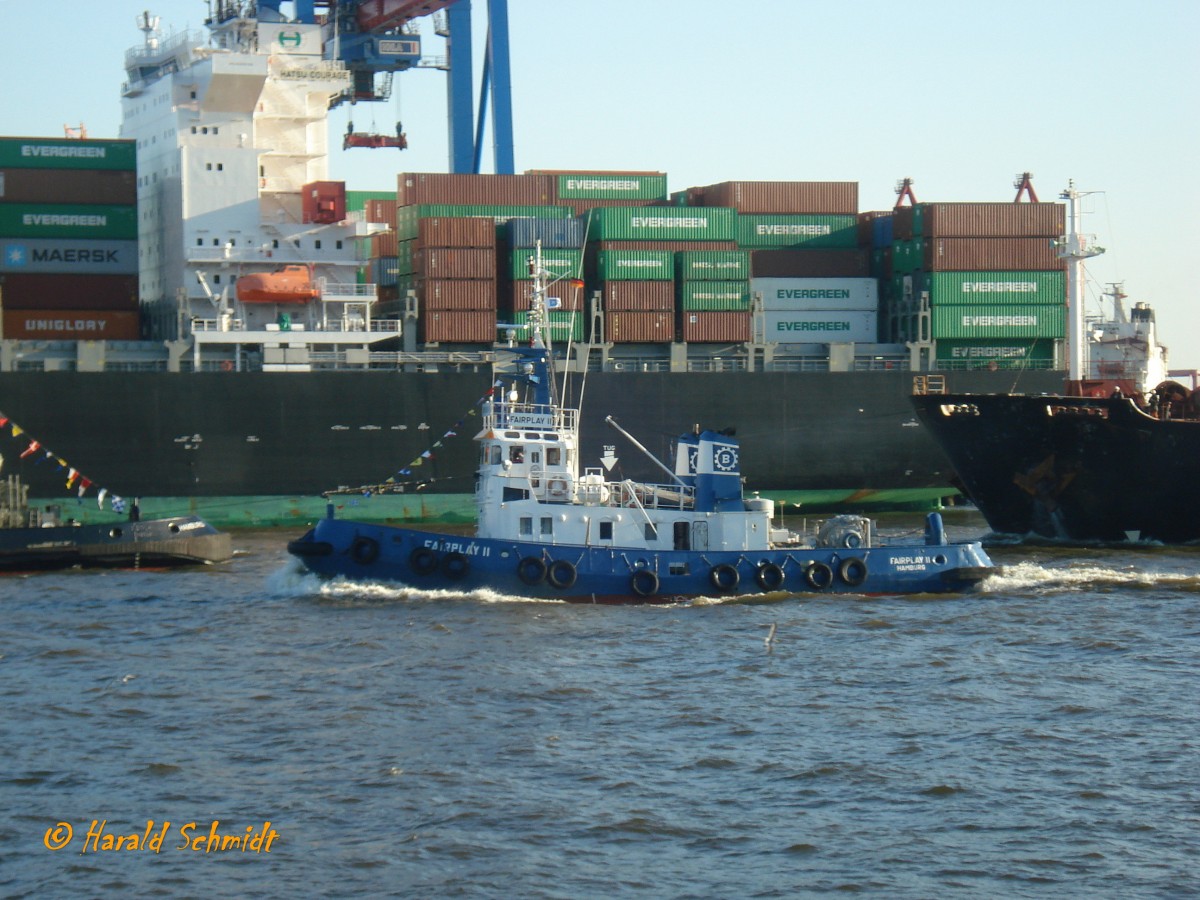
(15, 256)
(725, 459)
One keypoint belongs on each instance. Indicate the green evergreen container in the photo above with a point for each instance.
(564, 262)
(714, 296)
(61, 220)
(661, 223)
(712, 265)
(66, 153)
(356, 201)
(634, 265)
(1005, 321)
(408, 217)
(995, 288)
(755, 230)
(996, 353)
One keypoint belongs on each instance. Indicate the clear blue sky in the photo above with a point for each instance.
(960, 96)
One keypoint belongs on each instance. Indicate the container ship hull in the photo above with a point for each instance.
(1071, 468)
(254, 449)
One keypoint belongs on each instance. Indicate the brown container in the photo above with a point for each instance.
(454, 262)
(448, 231)
(520, 296)
(866, 225)
(323, 202)
(116, 187)
(810, 263)
(484, 190)
(476, 326)
(639, 295)
(70, 325)
(902, 223)
(993, 219)
(460, 294)
(383, 211)
(824, 197)
(713, 327)
(991, 255)
(640, 327)
(116, 293)
(384, 244)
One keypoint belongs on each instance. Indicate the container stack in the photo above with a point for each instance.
(68, 239)
(630, 262)
(453, 267)
(714, 292)
(819, 310)
(562, 257)
(981, 280)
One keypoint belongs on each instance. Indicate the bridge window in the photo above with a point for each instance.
(516, 454)
(553, 456)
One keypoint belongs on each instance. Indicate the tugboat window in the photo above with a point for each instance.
(553, 456)
(526, 526)
(606, 531)
(517, 454)
(547, 526)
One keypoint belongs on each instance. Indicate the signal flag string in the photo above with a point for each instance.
(73, 475)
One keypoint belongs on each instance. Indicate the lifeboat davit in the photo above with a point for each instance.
(288, 284)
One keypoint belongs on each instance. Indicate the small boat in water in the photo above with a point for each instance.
(544, 530)
(39, 539)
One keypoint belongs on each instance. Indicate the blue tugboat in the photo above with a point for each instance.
(544, 530)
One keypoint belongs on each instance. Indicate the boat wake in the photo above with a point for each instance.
(293, 581)
(1032, 577)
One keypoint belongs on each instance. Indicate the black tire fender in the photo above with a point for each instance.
(364, 550)
(853, 571)
(769, 576)
(724, 578)
(644, 583)
(455, 566)
(531, 570)
(818, 575)
(561, 574)
(423, 561)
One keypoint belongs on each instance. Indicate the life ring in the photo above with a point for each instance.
(561, 574)
(818, 575)
(455, 566)
(364, 550)
(724, 578)
(556, 487)
(852, 541)
(769, 576)
(531, 570)
(853, 571)
(423, 561)
(644, 583)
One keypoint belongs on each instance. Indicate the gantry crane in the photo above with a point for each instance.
(375, 39)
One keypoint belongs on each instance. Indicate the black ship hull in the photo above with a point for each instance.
(1071, 468)
(204, 436)
(158, 543)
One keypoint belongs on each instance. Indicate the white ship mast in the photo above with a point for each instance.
(1075, 247)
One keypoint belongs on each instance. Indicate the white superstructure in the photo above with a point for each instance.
(230, 126)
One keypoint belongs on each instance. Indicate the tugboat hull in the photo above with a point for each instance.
(154, 543)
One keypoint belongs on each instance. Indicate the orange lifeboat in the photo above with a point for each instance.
(288, 284)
